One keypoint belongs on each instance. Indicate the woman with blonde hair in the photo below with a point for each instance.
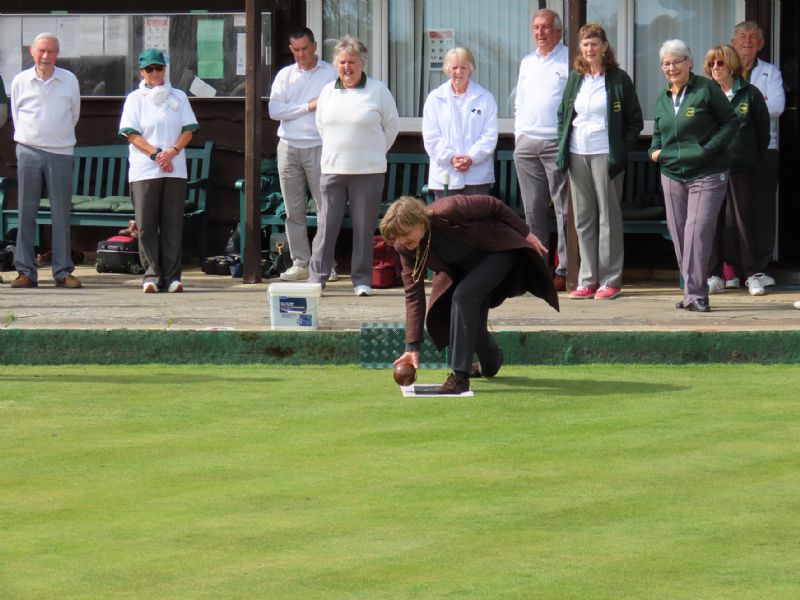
(459, 129)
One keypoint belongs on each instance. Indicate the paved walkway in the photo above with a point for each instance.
(111, 301)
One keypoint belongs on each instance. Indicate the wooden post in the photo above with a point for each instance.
(251, 252)
(577, 18)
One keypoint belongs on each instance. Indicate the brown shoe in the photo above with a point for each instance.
(24, 281)
(560, 283)
(70, 281)
(457, 383)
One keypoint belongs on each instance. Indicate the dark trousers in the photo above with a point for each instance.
(766, 182)
(158, 204)
(736, 236)
(469, 312)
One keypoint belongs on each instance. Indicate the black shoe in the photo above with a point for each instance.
(679, 305)
(698, 305)
(488, 366)
(457, 383)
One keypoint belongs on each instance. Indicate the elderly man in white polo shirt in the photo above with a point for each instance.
(45, 106)
(293, 102)
(542, 79)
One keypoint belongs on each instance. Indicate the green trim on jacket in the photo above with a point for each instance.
(752, 139)
(624, 118)
(3, 97)
(694, 143)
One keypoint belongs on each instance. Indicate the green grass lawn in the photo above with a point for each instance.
(312, 482)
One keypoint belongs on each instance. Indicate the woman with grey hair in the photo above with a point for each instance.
(693, 126)
(459, 129)
(358, 122)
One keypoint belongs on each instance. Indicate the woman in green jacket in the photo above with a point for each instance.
(599, 120)
(735, 243)
(694, 125)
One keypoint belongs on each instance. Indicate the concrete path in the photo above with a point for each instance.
(111, 301)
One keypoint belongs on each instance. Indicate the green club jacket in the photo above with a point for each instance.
(694, 143)
(752, 139)
(624, 118)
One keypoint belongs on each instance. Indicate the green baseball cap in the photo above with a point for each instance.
(151, 56)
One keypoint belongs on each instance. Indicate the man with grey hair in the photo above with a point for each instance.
(45, 106)
(542, 79)
(748, 40)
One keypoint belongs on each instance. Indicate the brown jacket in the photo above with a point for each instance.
(481, 222)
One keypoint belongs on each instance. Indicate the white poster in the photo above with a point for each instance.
(156, 33)
(68, 32)
(240, 53)
(116, 35)
(91, 36)
(439, 42)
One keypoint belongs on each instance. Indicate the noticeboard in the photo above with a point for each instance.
(205, 51)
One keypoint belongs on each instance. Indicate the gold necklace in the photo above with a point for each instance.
(419, 262)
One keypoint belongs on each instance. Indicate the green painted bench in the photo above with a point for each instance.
(642, 199)
(406, 175)
(101, 196)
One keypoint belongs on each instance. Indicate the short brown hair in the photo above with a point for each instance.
(403, 215)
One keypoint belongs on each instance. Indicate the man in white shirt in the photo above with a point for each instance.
(293, 101)
(542, 78)
(748, 40)
(45, 106)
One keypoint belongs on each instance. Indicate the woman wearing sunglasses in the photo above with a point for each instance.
(158, 123)
(693, 127)
(735, 242)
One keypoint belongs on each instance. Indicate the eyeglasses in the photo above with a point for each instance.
(716, 63)
(151, 68)
(668, 65)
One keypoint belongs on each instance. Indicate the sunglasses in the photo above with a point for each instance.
(151, 68)
(716, 63)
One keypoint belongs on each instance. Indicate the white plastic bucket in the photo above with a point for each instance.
(294, 306)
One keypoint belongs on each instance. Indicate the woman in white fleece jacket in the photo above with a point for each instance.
(459, 128)
(358, 122)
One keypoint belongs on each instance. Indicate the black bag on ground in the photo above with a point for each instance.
(279, 258)
(119, 254)
(220, 265)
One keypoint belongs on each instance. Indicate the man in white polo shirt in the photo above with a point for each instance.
(542, 78)
(45, 106)
(293, 101)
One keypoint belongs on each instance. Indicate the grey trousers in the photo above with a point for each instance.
(692, 211)
(540, 183)
(298, 170)
(158, 205)
(33, 167)
(481, 189)
(596, 200)
(363, 194)
(469, 311)
(766, 182)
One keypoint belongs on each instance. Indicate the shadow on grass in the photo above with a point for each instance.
(572, 387)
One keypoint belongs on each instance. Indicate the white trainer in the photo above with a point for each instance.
(715, 284)
(175, 287)
(733, 284)
(755, 286)
(766, 280)
(150, 287)
(363, 290)
(797, 305)
(334, 276)
(295, 273)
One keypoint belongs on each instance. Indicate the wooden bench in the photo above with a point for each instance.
(642, 199)
(101, 194)
(406, 175)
